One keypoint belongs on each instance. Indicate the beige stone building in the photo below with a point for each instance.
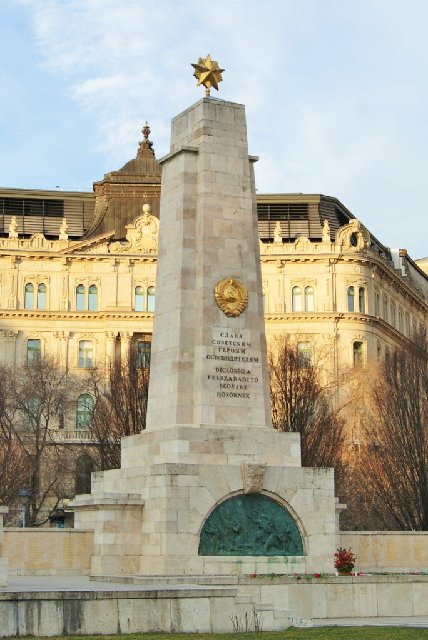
(78, 278)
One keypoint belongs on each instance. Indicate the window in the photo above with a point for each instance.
(351, 299)
(407, 325)
(93, 298)
(41, 296)
(151, 292)
(80, 297)
(32, 412)
(33, 352)
(377, 303)
(84, 468)
(362, 299)
(385, 308)
(393, 315)
(29, 296)
(296, 299)
(304, 355)
(84, 409)
(86, 304)
(358, 354)
(85, 354)
(309, 298)
(139, 299)
(144, 348)
(400, 321)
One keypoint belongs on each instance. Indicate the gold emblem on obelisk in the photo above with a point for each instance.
(231, 297)
(208, 73)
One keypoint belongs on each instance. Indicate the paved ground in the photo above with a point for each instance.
(19, 584)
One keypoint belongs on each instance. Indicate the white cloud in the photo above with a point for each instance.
(334, 91)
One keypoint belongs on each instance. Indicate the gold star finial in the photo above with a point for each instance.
(208, 73)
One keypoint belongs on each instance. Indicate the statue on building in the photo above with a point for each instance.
(326, 232)
(13, 228)
(63, 235)
(277, 234)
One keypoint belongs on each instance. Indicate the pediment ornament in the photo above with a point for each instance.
(353, 236)
(303, 244)
(141, 237)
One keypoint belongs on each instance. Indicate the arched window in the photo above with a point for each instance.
(309, 298)
(93, 298)
(139, 299)
(362, 299)
(84, 409)
(29, 296)
(41, 296)
(84, 468)
(80, 297)
(296, 299)
(33, 352)
(351, 299)
(151, 292)
(85, 354)
(358, 354)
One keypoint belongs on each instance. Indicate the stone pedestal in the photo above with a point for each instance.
(3, 561)
(178, 495)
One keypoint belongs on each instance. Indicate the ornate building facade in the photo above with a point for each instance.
(78, 278)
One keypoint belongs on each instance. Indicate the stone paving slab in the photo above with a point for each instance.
(46, 584)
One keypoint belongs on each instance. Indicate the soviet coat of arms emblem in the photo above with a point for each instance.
(231, 297)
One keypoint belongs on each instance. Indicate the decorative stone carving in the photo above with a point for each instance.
(303, 244)
(231, 297)
(250, 525)
(142, 236)
(353, 236)
(253, 476)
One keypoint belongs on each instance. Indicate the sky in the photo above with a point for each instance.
(335, 92)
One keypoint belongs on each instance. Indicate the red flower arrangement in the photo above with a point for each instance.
(344, 560)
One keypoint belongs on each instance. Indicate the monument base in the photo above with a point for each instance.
(154, 526)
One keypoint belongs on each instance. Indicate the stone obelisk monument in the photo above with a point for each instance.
(210, 487)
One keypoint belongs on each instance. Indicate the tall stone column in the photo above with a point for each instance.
(209, 350)
(110, 347)
(125, 345)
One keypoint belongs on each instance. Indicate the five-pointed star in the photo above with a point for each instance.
(208, 73)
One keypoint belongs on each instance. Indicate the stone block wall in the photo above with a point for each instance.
(3, 560)
(49, 552)
(388, 550)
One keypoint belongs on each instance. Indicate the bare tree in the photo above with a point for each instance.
(396, 440)
(31, 400)
(301, 402)
(120, 407)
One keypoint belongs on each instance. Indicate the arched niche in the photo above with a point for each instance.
(250, 525)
